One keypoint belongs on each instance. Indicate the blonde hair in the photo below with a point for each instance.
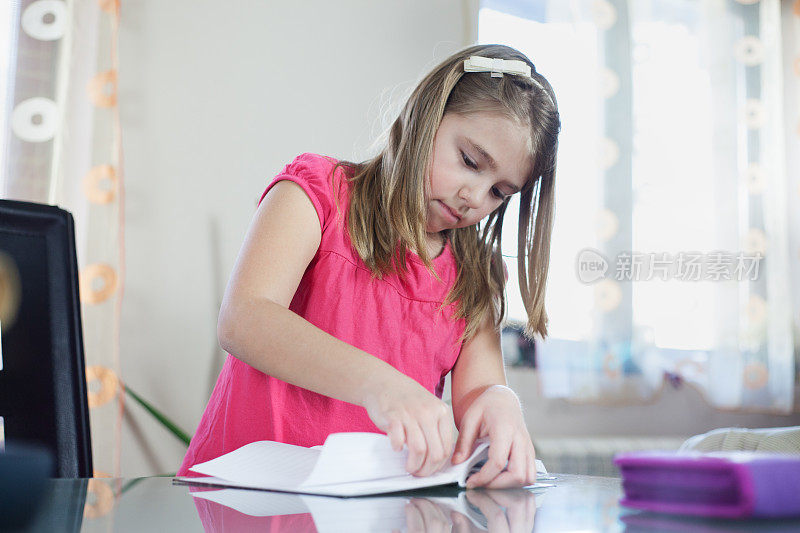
(387, 207)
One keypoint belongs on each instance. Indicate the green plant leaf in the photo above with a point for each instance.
(161, 417)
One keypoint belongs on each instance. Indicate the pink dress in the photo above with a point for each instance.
(393, 319)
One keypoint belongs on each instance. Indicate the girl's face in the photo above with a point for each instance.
(478, 160)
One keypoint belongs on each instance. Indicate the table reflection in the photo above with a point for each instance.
(509, 510)
(575, 503)
(443, 510)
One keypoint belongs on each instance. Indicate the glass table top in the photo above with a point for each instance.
(575, 503)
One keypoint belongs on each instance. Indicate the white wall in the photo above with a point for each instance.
(215, 98)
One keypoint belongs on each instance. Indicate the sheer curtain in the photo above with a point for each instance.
(675, 255)
(59, 132)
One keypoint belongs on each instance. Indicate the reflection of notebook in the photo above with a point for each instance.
(717, 484)
(348, 464)
(374, 513)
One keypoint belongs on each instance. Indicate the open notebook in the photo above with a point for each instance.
(348, 464)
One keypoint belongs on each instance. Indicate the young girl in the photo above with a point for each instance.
(360, 286)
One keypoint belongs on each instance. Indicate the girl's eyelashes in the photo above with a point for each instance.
(469, 162)
(498, 194)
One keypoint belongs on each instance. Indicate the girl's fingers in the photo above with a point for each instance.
(516, 472)
(499, 451)
(435, 452)
(448, 439)
(429, 438)
(397, 436)
(504, 480)
(417, 448)
(466, 437)
(530, 461)
(531, 469)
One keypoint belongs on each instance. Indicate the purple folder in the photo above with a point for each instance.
(718, 484)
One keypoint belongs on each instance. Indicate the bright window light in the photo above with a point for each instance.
(672, 155)
(574, 198)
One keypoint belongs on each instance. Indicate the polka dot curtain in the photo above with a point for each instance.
(676, 246)
(63, 148)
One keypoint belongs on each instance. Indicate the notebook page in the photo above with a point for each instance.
(383, 486)
(355, 456)
(452, 474)
(266, 464)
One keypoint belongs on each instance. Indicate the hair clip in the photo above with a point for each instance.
(497, 66)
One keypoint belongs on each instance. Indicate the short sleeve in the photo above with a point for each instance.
(312, 172)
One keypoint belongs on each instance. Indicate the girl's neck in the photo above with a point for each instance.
(436, 243)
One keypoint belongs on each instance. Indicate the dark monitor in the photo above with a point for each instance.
(43, 396)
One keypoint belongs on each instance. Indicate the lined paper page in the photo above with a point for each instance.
(452, 474)
(387, 485)
(357, 456)
(267, 464)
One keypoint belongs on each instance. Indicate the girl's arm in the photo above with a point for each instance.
(256, 326)
(483, 405)
(478, 367)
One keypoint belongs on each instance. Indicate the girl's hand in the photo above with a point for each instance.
(497, 413)
(411, 415)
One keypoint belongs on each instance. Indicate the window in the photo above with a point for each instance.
(671, 155)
